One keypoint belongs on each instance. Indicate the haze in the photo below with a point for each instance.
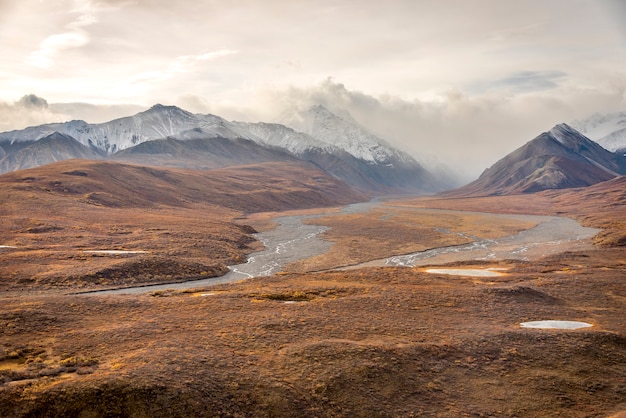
(459, 82)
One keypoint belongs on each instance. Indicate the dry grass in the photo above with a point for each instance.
(188, 222)
(368, 342)
(375, 342)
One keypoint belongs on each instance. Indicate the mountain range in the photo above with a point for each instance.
(167, 136)
(170, 136)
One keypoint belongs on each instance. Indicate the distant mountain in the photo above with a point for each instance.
(608, 130)
(380, 161)
(345, 133)
(158, 122)
(51, 148)
(170, 136)
(557, 159)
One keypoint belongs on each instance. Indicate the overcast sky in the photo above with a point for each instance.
(466, 81)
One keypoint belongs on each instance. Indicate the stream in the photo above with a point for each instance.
(292, 240)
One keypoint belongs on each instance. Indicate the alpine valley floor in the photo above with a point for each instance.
(376, 341)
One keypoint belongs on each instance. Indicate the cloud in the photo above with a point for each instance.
(30, 101)
(181, 64)
(521, 82)
(30, 110)
(465, 132)
(75, 36)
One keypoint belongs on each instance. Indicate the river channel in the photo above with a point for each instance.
(292, 240)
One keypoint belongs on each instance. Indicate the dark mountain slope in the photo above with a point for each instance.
(201, 153)
(52, 148)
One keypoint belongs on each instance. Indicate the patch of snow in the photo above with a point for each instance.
(281, 136)
(7, 246)
(608, 130)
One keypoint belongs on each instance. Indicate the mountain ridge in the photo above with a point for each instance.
(169, 136)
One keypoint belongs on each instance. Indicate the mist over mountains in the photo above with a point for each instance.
(608, 130)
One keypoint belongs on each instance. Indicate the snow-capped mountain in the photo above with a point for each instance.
(168, 135)
(155, 123)
(345, 133)
(281, 136)
(608, 130)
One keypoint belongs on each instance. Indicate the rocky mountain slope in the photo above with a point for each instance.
(557, 159)
(170, 136)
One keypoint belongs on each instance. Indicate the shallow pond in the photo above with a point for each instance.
(555, 324)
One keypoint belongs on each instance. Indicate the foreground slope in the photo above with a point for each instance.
(557, 159)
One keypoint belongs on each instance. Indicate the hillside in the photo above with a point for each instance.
(51, 148)
(182, 222)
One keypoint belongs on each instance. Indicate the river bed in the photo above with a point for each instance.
(292, 240)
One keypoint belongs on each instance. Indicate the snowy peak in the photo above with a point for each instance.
(563, 133)
(345, 133)
(157, 122)
(165, 135)
(570, 137)
(608, 130)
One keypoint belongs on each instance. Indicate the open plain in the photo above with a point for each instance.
(376, 341)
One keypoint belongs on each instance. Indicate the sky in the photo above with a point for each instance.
(460, 82)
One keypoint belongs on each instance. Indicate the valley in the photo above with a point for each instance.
(369, 341)
(277, 285)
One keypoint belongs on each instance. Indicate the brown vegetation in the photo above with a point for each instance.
(367, 342)
(184, 220)
(602, 205)
(375, 342)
